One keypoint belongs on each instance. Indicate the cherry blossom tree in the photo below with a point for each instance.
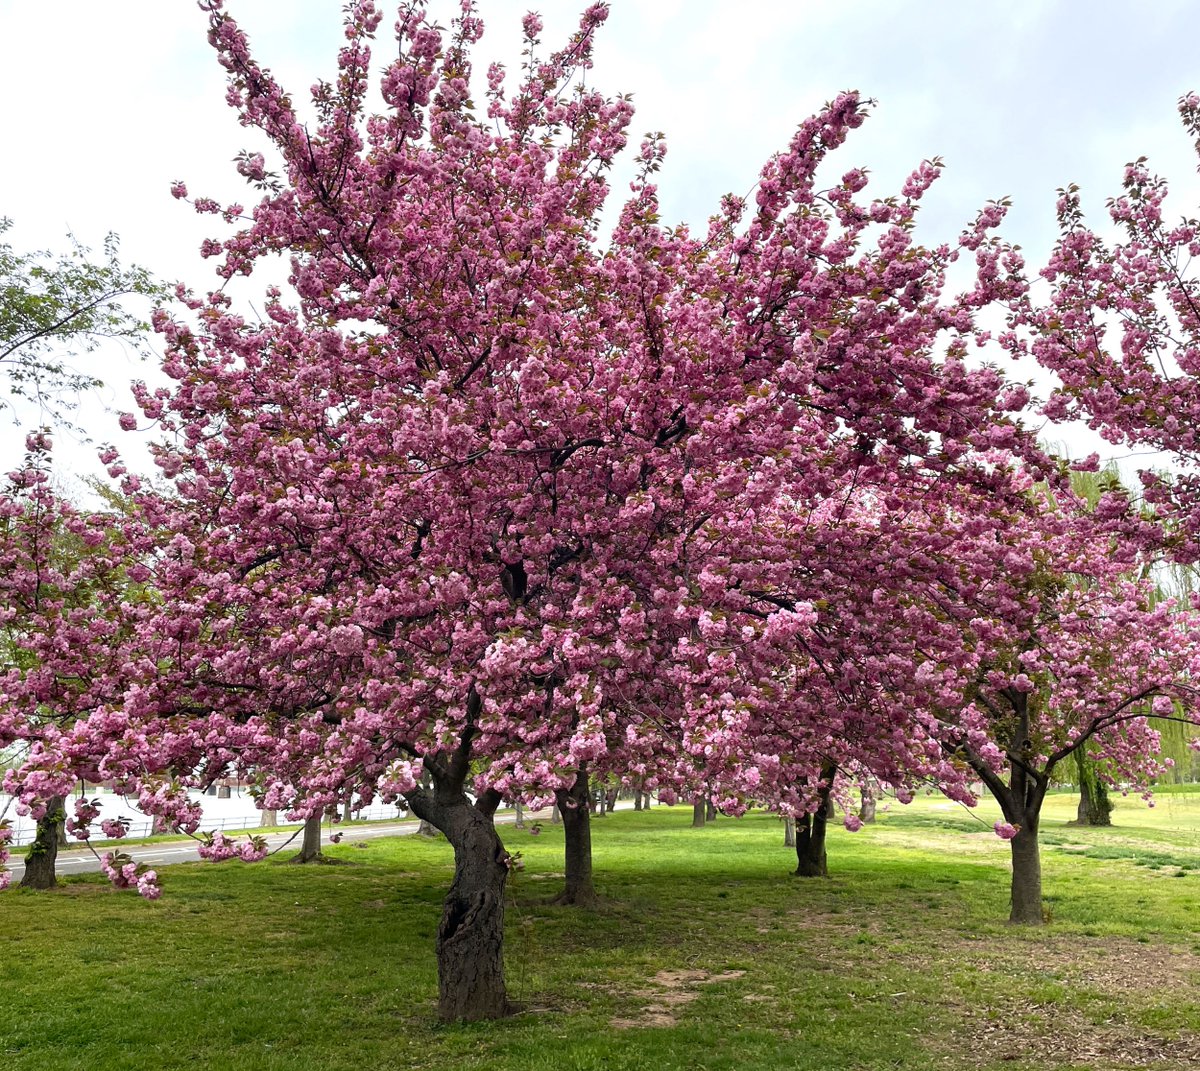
(490, 497)
(68, 607)
(1121, 331)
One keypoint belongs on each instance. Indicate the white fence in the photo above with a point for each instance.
(237, 811)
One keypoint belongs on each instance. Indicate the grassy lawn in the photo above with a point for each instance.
(707, 955)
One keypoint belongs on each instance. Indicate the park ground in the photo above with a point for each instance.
(705, 956)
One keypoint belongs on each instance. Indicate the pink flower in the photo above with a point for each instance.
(852, 823)
(1006, 830)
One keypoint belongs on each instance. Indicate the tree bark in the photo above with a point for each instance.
(310, 845)
(698, 810)
(610, 799)
(424, 827)
(866, 811)
(789, 831)
(577, 836)
(1026, 877)
(518, 815)
(710, 811)
(637, 801)
(40, 859)
(1095, 808)
(270, 816)
(347, 811)
(470, 938)
(1021, 801)
(811, 858)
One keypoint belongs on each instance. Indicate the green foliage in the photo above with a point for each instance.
(54, 308)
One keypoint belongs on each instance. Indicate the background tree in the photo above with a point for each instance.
(52, 309)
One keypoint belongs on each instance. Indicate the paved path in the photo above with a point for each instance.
(82, 860)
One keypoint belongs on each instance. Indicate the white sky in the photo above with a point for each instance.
(106, 104)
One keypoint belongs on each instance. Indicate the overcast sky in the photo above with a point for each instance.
(105, 104)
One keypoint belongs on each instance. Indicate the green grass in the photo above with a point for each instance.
(900, 960)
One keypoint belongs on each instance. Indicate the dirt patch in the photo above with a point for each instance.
(1053, 1035)
(1108, 974)
(673, 990)
(1111, 966)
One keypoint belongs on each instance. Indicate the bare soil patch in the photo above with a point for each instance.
(673, 990)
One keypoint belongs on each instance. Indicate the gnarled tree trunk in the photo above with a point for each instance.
(269, 816)
(470, 938)
(577, 836)
(40, 859)
(698, 809)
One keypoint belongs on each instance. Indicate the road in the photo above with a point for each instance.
(165, 853)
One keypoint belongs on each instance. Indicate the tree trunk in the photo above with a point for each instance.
(698, 813)
(347, 811)
(866, 811)
(610, 799)
(1021, 801)
(577, 835)
(637, 801)
(426, 828)
(555, 815)
(789, 831)
(39, 860)
(470, 937)
(60, 826)
(310, 846)
(1026, 876)
(710, 811)
(470, 940)
(518, 815)
(811, 859)
(270, 816)
(1095, 808)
